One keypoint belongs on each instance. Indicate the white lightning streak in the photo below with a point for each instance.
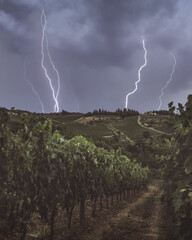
(44, 36)
(34, 91)
(56, 71)
(166, 85)
(139, 74)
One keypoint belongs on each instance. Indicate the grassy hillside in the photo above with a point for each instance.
(65, 118)
(69, 123)
(101, 126)
(87, 130)
(131, 128)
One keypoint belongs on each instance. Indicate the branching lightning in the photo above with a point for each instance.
(34, 91)
(139, 74)
(44, 38)
(170, 79)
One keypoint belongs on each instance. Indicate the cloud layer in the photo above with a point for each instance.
(96, 46)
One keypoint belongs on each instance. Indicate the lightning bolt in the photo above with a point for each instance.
(32, 87)
(56, 71)
(44, 38)
(139, 74)
(170, 79)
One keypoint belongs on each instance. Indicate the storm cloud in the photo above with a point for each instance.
(97, 48)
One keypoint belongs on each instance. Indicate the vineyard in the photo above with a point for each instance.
(42, 173)
(177, 174)
(45, 175)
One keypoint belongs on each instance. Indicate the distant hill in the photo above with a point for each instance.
(117, 127)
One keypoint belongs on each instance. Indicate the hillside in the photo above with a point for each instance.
(112, 126)
(109, 159)
(106, 127)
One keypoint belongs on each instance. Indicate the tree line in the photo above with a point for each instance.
(119, 112)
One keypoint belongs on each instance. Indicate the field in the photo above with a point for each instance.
(106, 127)
(65, 118)
(92, 172)
(101, 126)
(131, 128)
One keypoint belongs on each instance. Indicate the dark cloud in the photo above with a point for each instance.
(96, 46)
(14, 9)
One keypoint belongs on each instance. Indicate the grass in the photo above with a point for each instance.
(67, 125)
(128, 126)
(162, 128)
(66, 118)
(88, 130)
(131, 128)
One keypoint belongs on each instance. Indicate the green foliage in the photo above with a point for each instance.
(178, 170)
(40, 170)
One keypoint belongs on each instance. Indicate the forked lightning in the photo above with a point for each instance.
(170, 79)
(44, 40)
(139, 74)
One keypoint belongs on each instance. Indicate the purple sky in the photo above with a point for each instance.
(96, 46)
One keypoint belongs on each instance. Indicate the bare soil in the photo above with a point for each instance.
(140, 217)
(144, 218)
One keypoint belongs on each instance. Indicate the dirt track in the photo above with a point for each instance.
(143, 219)
(116, 132)
(150, 128)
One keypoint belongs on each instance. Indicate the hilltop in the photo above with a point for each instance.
(104, 128)
(98, 123)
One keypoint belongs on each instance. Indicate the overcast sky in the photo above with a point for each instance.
(96, 45)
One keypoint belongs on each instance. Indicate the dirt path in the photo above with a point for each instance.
(143, 219)
(118, 132)
(151, 128)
